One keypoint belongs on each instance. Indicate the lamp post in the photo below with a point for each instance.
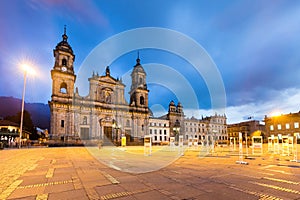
(26, 69)
(115, 136)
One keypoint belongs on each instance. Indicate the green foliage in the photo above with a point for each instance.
(27, 121)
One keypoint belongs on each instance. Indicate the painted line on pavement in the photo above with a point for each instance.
(281, 180)
(92, 194)
(260, 195)
(110, 178)
(10, 189)
(45, 184)
(32, 167)
(279, 171)
(276, 187)
(76, 183)
(41, 197)
(50, 173)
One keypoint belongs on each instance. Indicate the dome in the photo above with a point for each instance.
(172, 103)
(138, 67)
(64, 45)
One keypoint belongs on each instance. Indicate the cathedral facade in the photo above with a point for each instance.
(104, 112)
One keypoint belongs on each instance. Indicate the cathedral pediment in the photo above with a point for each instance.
(108, 79)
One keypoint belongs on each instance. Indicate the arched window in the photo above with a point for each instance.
(64, 62)
(142, 100)
(63, 88)
(84, 121)
(141, 80)
(127, 123)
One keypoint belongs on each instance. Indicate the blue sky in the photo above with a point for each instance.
(254, 44)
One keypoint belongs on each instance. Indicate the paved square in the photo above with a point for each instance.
(75, 173)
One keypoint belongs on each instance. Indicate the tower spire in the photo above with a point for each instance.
(65, 29)
(64, 36)
(138, 58)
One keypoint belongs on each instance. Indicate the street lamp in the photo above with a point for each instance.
(116, 127)
(29, 70)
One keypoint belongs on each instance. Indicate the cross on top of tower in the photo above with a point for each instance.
(64, 36)
(138, 58)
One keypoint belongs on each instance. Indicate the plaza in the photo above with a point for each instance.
(85, 173)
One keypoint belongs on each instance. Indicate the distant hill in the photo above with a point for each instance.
(40, 113)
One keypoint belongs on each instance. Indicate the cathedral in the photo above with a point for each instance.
(104, 112)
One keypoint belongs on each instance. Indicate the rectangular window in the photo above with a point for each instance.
(287, 126)
(271, 128)
(62, 123)
(150, 131)
(165, 132)
(296, 125)
(279, 126)
(160, 131)
(155, 131)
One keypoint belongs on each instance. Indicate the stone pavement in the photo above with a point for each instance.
(76, 173)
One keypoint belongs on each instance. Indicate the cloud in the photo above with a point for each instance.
(84, 11)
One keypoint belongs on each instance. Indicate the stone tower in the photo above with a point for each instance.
(63, 80)
(176, 117)
(138, 92)
(62, 74)
(138, 106)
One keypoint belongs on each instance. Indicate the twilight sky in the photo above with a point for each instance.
(254, 44)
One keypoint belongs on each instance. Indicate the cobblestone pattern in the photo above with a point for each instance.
(72, 173)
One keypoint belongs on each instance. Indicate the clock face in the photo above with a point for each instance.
(64, 69)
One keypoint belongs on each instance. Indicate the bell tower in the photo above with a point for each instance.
(138, 91)
(62, 74)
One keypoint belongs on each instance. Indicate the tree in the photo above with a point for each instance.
(27, 122)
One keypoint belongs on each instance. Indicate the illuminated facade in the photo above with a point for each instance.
(248, 128)
(159, 130)
(286, 124)
(207, 128)
(104, 112)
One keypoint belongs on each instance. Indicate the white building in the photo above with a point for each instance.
(159, 129)
(206, 129)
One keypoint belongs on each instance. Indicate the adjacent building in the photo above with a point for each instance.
(286, 124)
(159, 130)
(211, 128)
(247, 128)
(10, 132)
